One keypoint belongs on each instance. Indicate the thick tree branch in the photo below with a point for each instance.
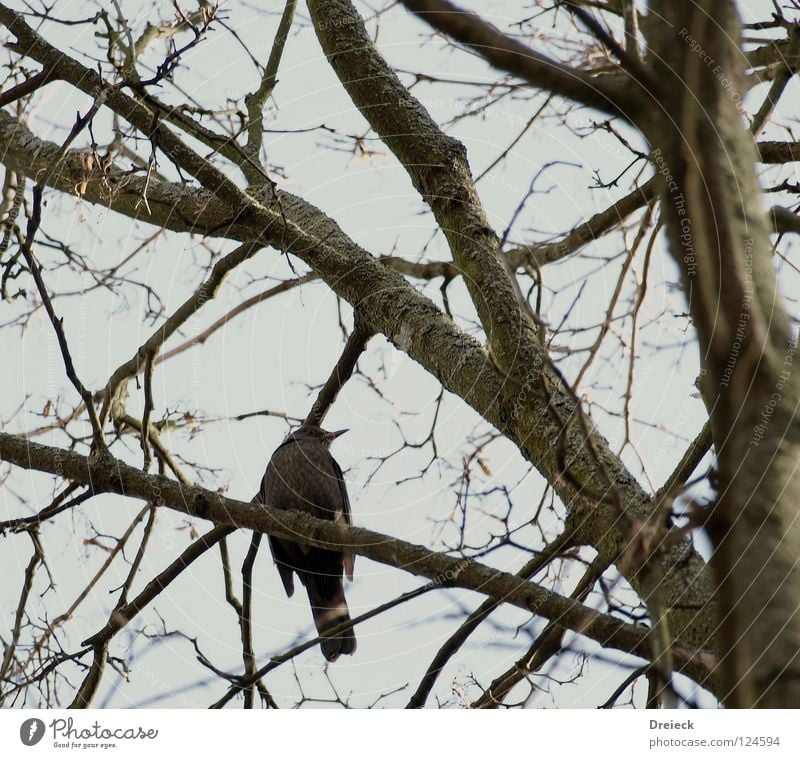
(615, 96)
(106, 474)
(412, 322)
(572, 455)
(719, 235)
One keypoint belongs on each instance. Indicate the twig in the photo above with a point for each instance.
(27, 251)
(27, 87)
(156, 585)
(474, 620)
(59, 505)
(256, 101)
(207, 290)
(246, 619)
(88, 688)
(626, 682)
(356, 344)
(66, 615)
(687, 464)
(27, 584)
(200, 338)
(336, 631)
(508, 54)
(148, 407)
(546, 645)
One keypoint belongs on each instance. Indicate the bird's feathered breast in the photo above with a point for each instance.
(302, 475)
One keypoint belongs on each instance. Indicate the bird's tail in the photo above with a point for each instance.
(330, 610)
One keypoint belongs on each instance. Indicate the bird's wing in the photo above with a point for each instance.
(280, 555)
(348, 516)
(348, 559)
(281, 559)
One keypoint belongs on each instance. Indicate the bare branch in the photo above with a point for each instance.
(510, 55)
(342, 371)
(110, 475)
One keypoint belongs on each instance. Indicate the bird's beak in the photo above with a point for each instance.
(333, 435)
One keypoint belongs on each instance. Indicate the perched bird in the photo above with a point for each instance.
(302, 475)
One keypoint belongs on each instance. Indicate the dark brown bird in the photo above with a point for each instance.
(302, 475)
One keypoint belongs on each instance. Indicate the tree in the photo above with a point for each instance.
(664, 540)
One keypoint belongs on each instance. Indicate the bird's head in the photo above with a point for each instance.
(316, 433)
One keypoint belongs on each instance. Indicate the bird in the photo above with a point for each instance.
(302, 475)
